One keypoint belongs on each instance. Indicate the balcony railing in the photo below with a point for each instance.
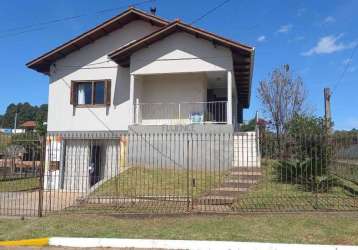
(180, 113)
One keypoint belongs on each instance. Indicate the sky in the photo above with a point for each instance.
(318, 39)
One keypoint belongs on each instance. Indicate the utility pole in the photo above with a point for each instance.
(327, 109)
(15, 122)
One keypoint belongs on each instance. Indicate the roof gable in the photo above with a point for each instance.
(121, 55)
(42, 64)
(243, 55)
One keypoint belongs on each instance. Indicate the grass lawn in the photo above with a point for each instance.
(270, 194)
(141, 181)
(4, 141)
(19, 184)
(315, 228)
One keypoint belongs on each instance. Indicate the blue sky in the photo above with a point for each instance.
(317, 38)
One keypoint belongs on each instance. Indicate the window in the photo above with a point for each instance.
(91, 93)
(99, 93)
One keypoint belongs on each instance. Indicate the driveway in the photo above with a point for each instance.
(27, 203)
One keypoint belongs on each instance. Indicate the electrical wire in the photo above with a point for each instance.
(345, 68)
(209, 12)
(35, 27)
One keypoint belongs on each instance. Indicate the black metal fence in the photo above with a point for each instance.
(179, 172)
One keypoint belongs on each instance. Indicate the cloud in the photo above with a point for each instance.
(328, 45)
(285, 28)
(329, 19)
(261, 38)
(347, 61)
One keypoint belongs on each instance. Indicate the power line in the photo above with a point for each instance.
(349, 62)
(209, 12)
(34, 27)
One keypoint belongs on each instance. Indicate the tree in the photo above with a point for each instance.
(25, 112)
(283, 96)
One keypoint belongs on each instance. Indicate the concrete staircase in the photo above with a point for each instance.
(236, 183)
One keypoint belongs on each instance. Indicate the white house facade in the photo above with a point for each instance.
(134, 72)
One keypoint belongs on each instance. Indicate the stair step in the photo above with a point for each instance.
(241, 181)
(230, 189)
(246, 169)
(216, 200)
(245, 173)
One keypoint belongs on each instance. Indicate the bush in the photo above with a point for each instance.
(305, 155)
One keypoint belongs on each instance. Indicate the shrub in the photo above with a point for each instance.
(305, 155)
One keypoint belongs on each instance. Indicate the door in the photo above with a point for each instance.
(95, 165)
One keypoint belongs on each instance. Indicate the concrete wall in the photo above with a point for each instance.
(246, 150)
(62, 116)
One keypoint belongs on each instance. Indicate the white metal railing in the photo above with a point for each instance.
(180, 113)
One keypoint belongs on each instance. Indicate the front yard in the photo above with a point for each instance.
(21, 184)
(273, 195)
(160, 182)
(315, 228)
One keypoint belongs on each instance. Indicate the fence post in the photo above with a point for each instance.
(187, 174)
(42, 172)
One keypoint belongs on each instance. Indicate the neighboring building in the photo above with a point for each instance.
(137, 71)
(11, 131)
(28, 126)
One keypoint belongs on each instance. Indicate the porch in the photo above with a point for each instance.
(183, 99)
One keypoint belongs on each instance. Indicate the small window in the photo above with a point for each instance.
(84, 93)
(99, 93)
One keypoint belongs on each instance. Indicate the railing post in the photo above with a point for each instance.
(179, 112)
(136, 110)
(229, 98)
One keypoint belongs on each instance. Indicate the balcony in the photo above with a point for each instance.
(184, 113)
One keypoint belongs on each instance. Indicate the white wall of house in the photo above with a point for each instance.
(179, 53)
(162, 94)
(62, 116)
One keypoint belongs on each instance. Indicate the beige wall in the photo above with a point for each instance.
(62, 116)
(178, 53)
(161, 95)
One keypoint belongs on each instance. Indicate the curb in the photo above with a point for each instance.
(166, 244)
(41, 242)
(186, 244)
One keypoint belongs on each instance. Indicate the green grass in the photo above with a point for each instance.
(316, 228)
(270, 194)
(141, 181)
(5, 140)
(19, 184)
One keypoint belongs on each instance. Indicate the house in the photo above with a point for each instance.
(28, 126)
(138, 72)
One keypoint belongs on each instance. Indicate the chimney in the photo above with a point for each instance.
(153, 10)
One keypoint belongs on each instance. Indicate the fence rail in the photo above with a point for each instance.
(176, 173)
